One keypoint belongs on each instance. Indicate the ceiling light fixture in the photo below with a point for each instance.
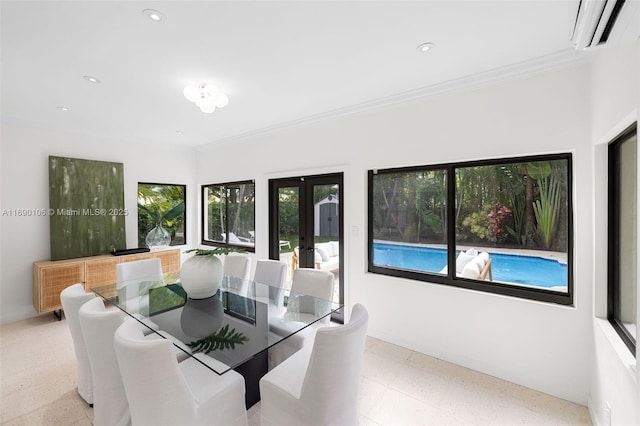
(91, 79)
(63, 108)
(206, 96)
(425, 47)
(154, 15)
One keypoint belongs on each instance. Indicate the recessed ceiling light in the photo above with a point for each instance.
(179, 132)
(63, 108)
(154, 15)
(425, 47)
(91, 79)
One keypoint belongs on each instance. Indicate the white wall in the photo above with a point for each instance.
(24, 174)
(615, 89)
(538, 345)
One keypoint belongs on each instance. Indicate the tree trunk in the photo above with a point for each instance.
(529, 219)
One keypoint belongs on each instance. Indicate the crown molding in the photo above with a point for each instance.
(562, 59)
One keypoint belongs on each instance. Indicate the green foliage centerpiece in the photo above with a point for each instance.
(220, 340)
(204, 275)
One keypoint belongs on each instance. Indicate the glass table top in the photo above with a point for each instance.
(241, 320)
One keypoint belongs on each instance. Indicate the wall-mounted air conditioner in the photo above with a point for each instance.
(598, 22)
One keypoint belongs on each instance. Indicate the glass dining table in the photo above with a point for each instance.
(232, 330)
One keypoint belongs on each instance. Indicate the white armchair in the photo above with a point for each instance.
(274, 274)
(127, 273)
(162, 391)
(306, 281)
(318, 385)
(99, 325)
(72, 298)
(237, 265)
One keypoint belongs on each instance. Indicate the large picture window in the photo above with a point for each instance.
(502, 226)
(623, 234)
(228, 212)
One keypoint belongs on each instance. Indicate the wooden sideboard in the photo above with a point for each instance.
(51, 277)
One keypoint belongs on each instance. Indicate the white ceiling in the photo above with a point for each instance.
(279, 62)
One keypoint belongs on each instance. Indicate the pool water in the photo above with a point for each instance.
(524, 270)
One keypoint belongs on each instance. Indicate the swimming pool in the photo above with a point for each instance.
(515, 269)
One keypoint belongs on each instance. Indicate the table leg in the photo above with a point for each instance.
(252, 371)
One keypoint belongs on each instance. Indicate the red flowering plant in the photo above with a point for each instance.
(498, 217)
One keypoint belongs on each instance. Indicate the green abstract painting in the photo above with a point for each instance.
(87, 214)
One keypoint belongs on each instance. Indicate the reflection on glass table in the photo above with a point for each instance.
(229, 330)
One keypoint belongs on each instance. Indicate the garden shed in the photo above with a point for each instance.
(325, 213)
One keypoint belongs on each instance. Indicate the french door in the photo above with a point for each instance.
(305, 226)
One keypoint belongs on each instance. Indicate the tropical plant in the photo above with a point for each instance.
(478, 224)
(546, 209)
(160, 205)
(499, 216)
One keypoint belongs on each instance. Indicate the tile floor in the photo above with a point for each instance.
(398, 387)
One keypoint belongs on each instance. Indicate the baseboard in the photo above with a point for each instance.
(593, 413)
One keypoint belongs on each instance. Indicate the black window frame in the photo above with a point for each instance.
(531, 293)
(226, 243)
(613, 246)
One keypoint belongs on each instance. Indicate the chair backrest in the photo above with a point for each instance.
(157, 392)
(312, 282)
(274, 274)
(72, 298)
(330, 387)
(237, 265)
(147, 270)
(270, 272)
(137, 270)
(98, 329)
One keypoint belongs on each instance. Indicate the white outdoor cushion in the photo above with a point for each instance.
(481, 261)
(335, 246)
(462, 260)
(323, 253)
(472, 252)
(471, 270)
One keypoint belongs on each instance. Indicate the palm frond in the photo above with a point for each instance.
(220, 340)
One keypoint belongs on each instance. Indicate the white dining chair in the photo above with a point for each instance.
(237, 265)
(272, 273)
(72, 298)
(162, 391)
(110, 406)
(306, 282)
(128, 273)
(318, 385)
(146, 269)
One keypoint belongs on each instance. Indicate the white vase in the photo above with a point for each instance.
(201, 276)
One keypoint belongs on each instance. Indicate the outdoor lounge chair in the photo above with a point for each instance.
(473, 265)
(283, 243)
(234, 239)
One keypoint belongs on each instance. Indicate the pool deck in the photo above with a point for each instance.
(545, 254)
